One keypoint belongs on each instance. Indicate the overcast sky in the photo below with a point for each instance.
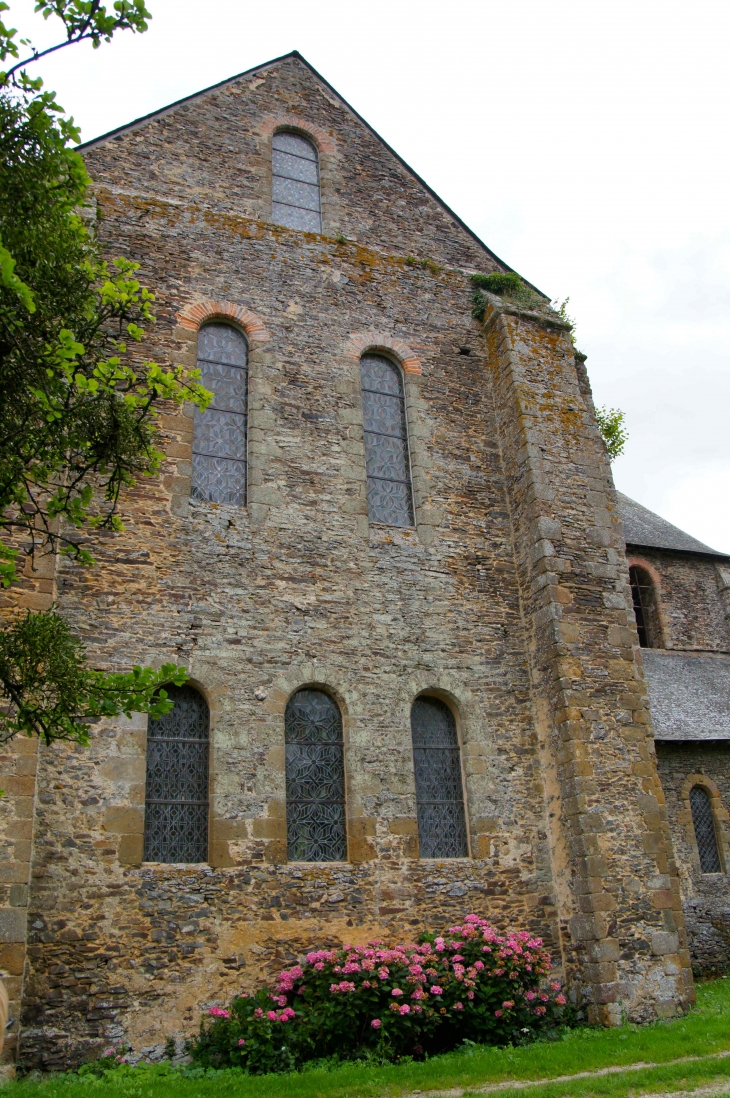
(585, 142)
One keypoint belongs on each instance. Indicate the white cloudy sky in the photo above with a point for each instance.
(585, 141)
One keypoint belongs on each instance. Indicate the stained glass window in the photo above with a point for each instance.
(176, 793)
(386, 442)
(703, 820)
(219, 438)
(295, 183)
(439, 787)
(645, 607)
(315, 779)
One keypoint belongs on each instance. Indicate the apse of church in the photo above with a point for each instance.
(391, 556)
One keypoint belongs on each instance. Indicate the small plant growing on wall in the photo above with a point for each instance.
(505, 284)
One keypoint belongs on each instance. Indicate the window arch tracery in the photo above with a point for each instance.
(390, 494)
(176, 788)
(703, 821)
(315, 778)
(295, 192)
(220, 433)
(439, 785)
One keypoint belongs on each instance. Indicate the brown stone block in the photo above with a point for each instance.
(219, 855)
(266, 828)
(276, 852)
(19, 785)
(14, 872)
(362, 826)
(130, 849)
(127, 768)
(223, 830)
(12, 958)
(13, 922)
(360, 849)
(123, 821)
(403, 825)
(482, 846)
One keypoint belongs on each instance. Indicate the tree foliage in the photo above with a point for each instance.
(78, 402)
(612, 425)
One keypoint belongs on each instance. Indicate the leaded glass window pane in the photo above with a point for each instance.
(176, 793)
(315, 779)
(295, 183)
(386, 442)
(704, 824)
(646, 611)
(220, 432)
(439, 788)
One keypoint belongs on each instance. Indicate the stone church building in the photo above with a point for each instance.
(437, 664)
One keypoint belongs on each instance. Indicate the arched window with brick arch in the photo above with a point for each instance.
(703, 821)
(220, 433)
(390, 496)
(176, 790)
(295, 197)
(646, 607)
(315, 778)
(439, 784)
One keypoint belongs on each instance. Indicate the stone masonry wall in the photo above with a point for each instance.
(691, 607)
(295, 589)
(705, 896)
(298, 588)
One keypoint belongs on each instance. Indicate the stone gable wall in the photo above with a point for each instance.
(298, 588)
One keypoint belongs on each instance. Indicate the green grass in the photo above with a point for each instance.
(706, 1030)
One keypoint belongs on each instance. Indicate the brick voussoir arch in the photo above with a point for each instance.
(360, 342)
(193, 316)
(321, 138)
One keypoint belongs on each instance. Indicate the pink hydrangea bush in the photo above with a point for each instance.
(429, 996)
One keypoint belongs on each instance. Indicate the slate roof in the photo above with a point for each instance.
(643, 527)
(689, 694)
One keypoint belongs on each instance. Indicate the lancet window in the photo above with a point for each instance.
(176, 792)
(439, 785)
(390, 497)
(646, 610)
(220, 432)
(315, 779)
(703, 820)
(295, 183)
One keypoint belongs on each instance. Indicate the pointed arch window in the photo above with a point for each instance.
(703, 820)
(390, 496)
(295, 183)
(315, 779)
(439, 785)
(220, 433)
(646, 609)
(176, 791)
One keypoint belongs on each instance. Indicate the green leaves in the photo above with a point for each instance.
(77, 413)
(53, 692)
(83, 20)
(612, 425)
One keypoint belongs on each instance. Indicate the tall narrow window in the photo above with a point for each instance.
(176, 794)
(220, 432)
(315, 779)
(295, 183)
(439, 787)
(703, 820)
(645, 608)
(386, 442)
